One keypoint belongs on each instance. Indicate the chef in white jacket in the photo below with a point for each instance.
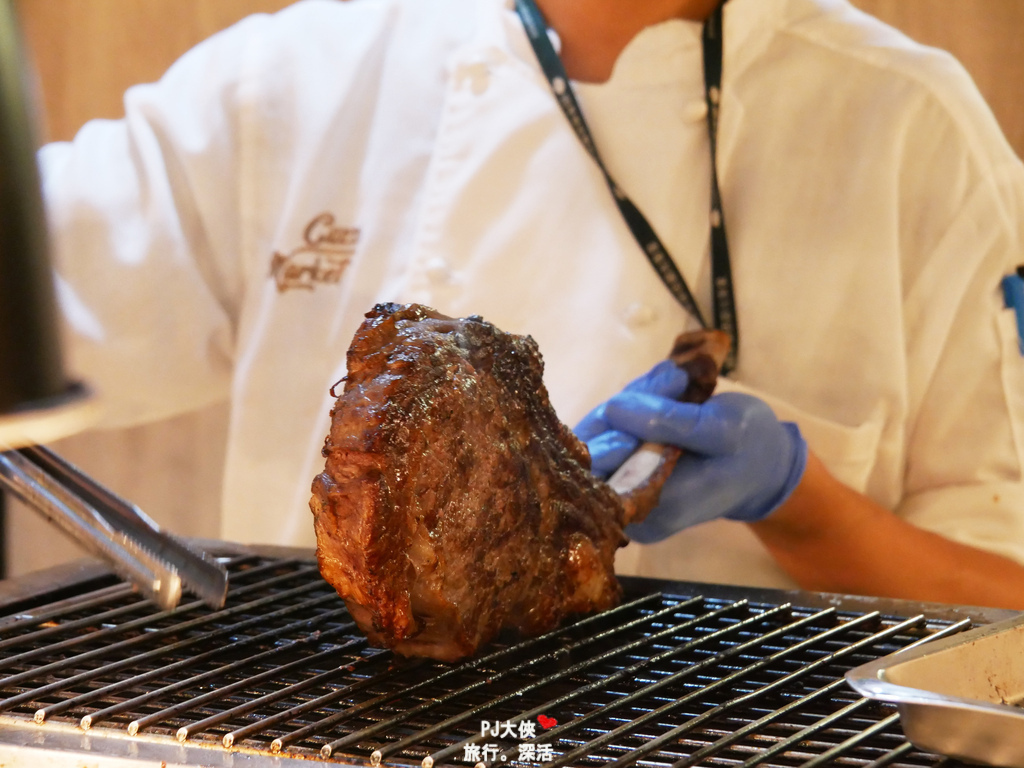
(224, 239)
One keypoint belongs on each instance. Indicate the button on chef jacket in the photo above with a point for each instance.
(225, 239)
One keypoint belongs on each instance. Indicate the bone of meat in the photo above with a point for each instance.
(454, 504)
(639, 480)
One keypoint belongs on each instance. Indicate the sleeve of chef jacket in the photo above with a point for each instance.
(145, 225)
(151, 215)
(962, 203)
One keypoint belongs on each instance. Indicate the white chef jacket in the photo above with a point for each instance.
(225, 239)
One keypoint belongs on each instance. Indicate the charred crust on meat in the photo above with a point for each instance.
(454, 504)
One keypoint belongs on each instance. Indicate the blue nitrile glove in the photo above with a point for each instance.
(739, 460)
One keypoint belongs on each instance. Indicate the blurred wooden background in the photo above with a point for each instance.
(88, 52)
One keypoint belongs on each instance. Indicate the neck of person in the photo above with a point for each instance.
(594, 32)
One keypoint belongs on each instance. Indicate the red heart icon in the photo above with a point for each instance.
(546, 722)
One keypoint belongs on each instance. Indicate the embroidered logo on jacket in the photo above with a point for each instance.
(322, 258)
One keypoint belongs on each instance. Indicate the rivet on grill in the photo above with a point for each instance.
(133, 727)
(39, 716)
(275, 745)
(182, 733)
(428, 762)
(228, 740)
(375, 758)
(86, 723)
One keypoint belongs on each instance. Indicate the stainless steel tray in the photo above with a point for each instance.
(960, 696)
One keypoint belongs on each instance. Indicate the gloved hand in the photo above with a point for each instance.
(739, 461)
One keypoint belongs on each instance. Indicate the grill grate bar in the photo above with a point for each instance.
(320, 725)
(827, 722)
(903, 749)
(661, 682)
(185, 731)
(239, 734)
(625, 673)
(466, 714)
(445, 725)
(693, 669)
(826, 758)
(95, 598)
(757, 725)
(622, 730)
(806, 733)
(98, 635)
(143, 623)
(301, 625)
(759, 693)
(101, 597)
(106, 669)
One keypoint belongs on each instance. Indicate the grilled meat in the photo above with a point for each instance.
(454, 503)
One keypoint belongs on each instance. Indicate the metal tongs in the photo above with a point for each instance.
(117, 531)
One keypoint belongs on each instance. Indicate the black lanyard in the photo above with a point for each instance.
(723, 301)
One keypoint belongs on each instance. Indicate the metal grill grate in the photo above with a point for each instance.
(663, 680)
